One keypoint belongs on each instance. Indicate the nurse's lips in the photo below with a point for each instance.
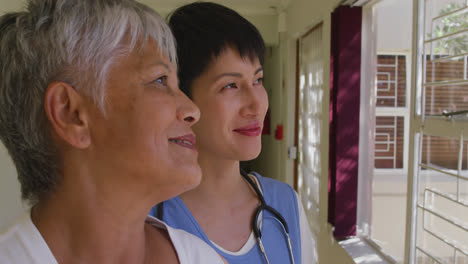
(187, 141)
(251, 130)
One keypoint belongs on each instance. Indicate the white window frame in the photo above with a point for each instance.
(419, 125)
(415, 124)
(397, 174)
(368, 111)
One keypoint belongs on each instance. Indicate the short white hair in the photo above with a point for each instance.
(75, 41)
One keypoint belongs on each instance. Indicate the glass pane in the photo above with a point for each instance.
(444, 17)
(449, 98)
(391, 81)
(389, 182)
(446, 98)
(443, 208)
(441, 152)
(442, 24)
(446, 51)
(389, 142)
(310, 123)
(442, 212)
(445, 69)
(449, 46)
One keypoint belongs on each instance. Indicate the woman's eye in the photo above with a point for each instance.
(230, 86)
(162, 80)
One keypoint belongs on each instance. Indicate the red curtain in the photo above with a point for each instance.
(344, 119)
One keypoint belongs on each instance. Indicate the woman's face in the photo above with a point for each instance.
(145, 138)
(233, 104)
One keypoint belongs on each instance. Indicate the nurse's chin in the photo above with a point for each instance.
(250, 154)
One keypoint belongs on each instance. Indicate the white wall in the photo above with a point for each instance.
(394, 27)
(396, 35)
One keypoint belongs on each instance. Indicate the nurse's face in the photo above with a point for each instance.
(233, 104)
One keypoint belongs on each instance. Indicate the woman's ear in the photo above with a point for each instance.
(66, 111)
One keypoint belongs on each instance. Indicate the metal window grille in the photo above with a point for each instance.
(392, 114)
(439, 185)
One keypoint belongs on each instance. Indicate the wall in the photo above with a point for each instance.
(266, 22)
(10, 201)
(10, 5)
(269, 161)
(397, 35)
(301, 16)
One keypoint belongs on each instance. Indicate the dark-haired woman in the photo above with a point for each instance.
(221, 58)
(92, 117)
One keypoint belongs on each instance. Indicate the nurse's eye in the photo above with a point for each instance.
(230, 86)
(259, 81)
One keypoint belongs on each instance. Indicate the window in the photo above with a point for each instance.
(439, 222)
(384, 131)
(420, 136)
(392, 112)
(310, 112)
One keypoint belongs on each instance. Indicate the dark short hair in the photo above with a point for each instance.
(203, 30)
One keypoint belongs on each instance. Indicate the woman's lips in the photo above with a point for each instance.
(251, 130)
(187, 141)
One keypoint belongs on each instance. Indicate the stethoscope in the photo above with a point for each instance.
(262, 207)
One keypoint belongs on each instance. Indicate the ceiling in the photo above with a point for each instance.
(242, 6)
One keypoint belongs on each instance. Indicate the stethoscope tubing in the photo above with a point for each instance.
(264, 207)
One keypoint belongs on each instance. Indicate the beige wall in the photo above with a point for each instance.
(301, 16)
(10, 5)
(266, 22)
(269, 161)
(304, 14)
(10, 201)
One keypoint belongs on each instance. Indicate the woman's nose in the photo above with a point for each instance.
(187, 110)
(256, 100)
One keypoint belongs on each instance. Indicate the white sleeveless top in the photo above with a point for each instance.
(22, 243)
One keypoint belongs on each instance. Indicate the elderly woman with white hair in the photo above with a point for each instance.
(91, 114)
